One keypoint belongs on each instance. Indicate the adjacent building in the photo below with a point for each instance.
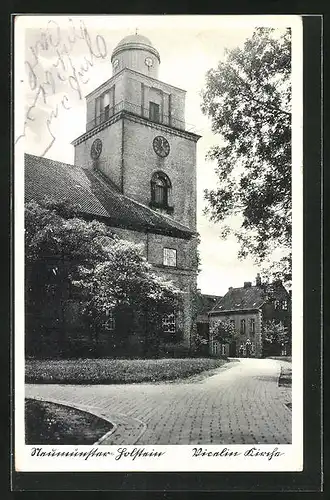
(249, 309)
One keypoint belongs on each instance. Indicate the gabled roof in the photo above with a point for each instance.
(250, 298)
(96, 197)
(241, 299)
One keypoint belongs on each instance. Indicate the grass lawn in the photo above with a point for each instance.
(51, 423)
(115, 371)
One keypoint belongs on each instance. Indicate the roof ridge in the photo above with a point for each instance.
(104, 200)
(56, 161)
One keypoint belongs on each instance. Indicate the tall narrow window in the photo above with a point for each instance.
(160, 195)
(169, 323)
(160, 191)
(215, 347)
(242, 326)
(103, 109)
(109, 323)
(252, 326)
(169, 257)
(154, 112)
(97, 110)
(106, 103)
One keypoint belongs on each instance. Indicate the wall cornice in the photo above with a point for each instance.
(137, 119)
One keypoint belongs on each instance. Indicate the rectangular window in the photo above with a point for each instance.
(109, 323)
(285, 305)
(169, 323)
(102, 107)
(252, 326)
(169, 257)
(97, 110)
(106, 99)
(276, 304)
(223, 349)
(154, 112)
(242, 326)
(106, 105)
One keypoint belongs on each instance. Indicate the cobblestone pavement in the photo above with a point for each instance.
(239, 404)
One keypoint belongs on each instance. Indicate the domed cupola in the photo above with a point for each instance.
(136, 52)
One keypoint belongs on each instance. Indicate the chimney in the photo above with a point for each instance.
(247, 284)
(230, 288)
(258, 280)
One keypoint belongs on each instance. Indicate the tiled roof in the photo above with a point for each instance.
(241, 298)
(204, 303)
(95, 196)
(250, 298)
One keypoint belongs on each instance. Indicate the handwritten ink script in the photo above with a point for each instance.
(46, 85)
(227, 453)
(96, 453)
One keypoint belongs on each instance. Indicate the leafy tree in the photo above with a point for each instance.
(65, 253)
(54, 230)
(248, 99)
(126, 283)
(223, 331)
(275, 337)
(57, 243)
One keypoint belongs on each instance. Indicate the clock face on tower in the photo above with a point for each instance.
(161, 146)
(149, 62)
(96, 149)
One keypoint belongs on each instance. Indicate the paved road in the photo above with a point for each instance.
(240, 404)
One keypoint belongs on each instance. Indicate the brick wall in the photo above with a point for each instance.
(109, 161)
(141, 161)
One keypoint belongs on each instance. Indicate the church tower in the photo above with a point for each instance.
(136, 134)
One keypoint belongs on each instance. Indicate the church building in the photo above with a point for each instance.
(135, 169)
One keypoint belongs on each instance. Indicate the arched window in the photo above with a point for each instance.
(160, 191)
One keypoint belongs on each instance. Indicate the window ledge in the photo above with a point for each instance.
(167, 208)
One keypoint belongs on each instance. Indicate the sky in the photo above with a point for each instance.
(188, 47)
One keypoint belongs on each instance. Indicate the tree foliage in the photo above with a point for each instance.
(65, 252)
(223, 331)
(54, 230)
(248, 99)
(125, 279)
(274, 332)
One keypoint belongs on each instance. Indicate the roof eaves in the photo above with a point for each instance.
(177, 225)
(243, 309)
